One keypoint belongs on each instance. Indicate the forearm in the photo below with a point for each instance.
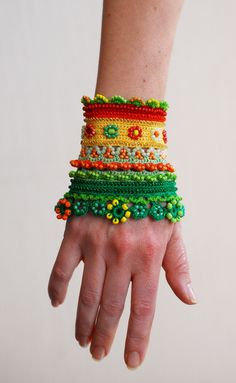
(136, 45)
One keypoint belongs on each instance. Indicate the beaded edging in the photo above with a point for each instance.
(101, 99)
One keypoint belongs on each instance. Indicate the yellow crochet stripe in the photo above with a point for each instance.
(151, 135)
(123, 123)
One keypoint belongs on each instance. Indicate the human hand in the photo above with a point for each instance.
(114, 255)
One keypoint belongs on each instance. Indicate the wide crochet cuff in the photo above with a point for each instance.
(122, 170)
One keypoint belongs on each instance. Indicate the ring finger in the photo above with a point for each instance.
(89, 297)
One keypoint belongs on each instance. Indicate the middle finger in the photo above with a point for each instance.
(112, 304)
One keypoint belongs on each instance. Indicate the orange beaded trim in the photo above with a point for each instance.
(87, 164)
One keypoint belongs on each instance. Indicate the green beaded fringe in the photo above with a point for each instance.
(118, 201)
(119, 209)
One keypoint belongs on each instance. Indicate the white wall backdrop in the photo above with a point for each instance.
(48, 60)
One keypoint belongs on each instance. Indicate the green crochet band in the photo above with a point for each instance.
(125, 188)
(120, 200)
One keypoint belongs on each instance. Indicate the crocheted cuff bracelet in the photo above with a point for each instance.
(122, 170)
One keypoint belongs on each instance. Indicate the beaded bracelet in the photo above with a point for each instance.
(122, 170)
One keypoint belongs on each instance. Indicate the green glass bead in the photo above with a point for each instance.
(164, 105)
(118, 211)
(72, 173)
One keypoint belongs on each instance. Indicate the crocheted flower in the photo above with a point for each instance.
(175, 210)
(98, 208)
(80, 207)
(157, 135)
(89, 131)
(157, 211)
(118, 211)
(63, 208)
(111, 131)
(139, 211)
(135, 132)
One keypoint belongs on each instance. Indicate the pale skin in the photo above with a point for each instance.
(136, 44)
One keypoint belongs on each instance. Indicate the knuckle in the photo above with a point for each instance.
(89, 297)
(142, 309)
(122, 243)
(181, 265)
(102, 333)
(136, 337)
(72, 227)
(112, 308)
(60, 275)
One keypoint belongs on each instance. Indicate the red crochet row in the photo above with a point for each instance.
(125, 111)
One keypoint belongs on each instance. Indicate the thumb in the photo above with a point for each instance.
(176, 266)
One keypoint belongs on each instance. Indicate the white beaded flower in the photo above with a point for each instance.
(157, 135)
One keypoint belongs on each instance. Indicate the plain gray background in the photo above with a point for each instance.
(49, 55)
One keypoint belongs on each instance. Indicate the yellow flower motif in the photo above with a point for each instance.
(118, 211)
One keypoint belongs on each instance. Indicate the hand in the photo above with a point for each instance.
(114, 255)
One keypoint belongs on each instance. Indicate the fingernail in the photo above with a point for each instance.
(83, 341)
(191, 294)
(55, 303)
(98, 353)
(133, 360)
